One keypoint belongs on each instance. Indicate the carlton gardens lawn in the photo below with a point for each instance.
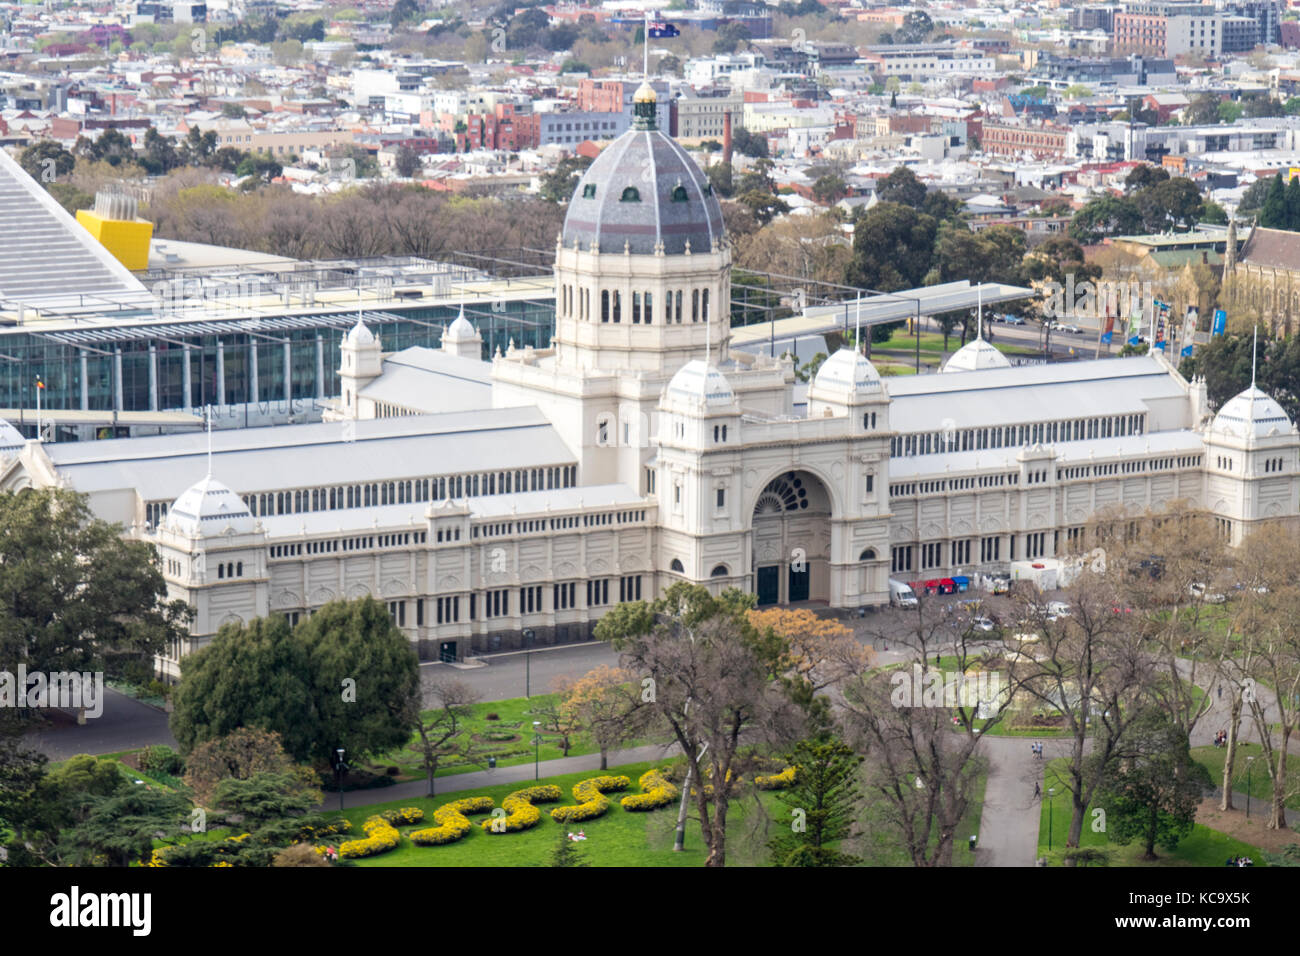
(618, 838)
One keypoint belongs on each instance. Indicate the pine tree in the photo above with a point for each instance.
(1272, 215)
(567, 852)
(822, 805)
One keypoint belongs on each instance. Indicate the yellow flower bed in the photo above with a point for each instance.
(381, 836)
(521, 814)
(778, 781)
(590, 795)
(658, 791)
(403, 817)
(452, 822)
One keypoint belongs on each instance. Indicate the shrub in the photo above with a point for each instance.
(658, 792)
(403, 817)
(493, 716)
(592, 802)
(380, 837)
(520, 812)
(393, 771)
(162, 759)
(777, 781)
(452, 822)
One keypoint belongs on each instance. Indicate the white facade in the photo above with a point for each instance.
(499, 504)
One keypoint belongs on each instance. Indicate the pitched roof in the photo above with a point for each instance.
(1272, 248)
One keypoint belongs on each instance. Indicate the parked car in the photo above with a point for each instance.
(1072, 329)
(983, 624)
(1013, 320)
(1199, 590)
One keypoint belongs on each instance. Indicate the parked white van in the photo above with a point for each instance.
(900, 595)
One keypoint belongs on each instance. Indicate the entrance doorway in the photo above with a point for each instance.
(799, 576)
(447, 652)
(791, 535)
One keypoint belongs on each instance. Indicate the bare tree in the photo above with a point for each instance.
(714, 684)
(1269, 649)
(920, 726)
(1091, 667)
(440, 730)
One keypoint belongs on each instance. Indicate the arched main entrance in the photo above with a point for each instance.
(792, 540)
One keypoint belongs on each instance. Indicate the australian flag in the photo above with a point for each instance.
(660, 31)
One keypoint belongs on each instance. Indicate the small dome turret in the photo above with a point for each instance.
(975, 356)
(208, 508)
(700, 384)
(1251, 414)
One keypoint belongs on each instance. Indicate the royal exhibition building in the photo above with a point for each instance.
(581, 442)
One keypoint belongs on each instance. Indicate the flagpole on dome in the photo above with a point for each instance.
(207, 414)
(645, 37)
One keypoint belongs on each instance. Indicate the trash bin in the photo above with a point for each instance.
(972, 843)
(492, 763)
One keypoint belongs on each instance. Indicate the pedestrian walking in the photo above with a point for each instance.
(1220, 692)
(1038, 789)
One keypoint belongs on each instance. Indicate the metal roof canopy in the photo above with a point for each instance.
(881, 308)
(246, 326)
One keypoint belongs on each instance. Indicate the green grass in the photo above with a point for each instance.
(619, 838)
(516, 716)
(1202, 847)
(1261, 787)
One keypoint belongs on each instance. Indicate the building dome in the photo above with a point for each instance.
(460, 330)
(699, 383)
(847, 371)
(359, 336)
(975, 356)
(11, 439)
(1252, 413)
(644, 192)
(208, 508)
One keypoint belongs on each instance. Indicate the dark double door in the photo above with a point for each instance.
(768, 585)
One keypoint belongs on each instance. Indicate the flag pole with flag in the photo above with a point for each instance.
(40, 387)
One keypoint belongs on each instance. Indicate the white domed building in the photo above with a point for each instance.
(508, 503)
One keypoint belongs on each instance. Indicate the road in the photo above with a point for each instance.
(124, 725)
(518, 673)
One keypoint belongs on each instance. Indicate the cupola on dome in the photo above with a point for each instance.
(644, 194)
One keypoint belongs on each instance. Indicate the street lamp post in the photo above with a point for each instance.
(1051, 805)
(537, 749)
(529, 634)
(339, 769)
(1249, 761)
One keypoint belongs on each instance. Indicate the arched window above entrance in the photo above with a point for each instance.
(868, 555)
(720, 571)
(677, 566)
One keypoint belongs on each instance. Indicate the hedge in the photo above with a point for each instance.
(452, 822)
(403, 817)
(381, 836)
(657, 791)
(521, 814)
(590, 795)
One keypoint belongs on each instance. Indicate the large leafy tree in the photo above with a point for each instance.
(77, 595)
(1105, 216)
(341, 678)
(893, 247)
(1152, 786)
(250, 676)
(901, 186)
(363, 670)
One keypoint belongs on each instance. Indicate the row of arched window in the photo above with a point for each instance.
(575, 303)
